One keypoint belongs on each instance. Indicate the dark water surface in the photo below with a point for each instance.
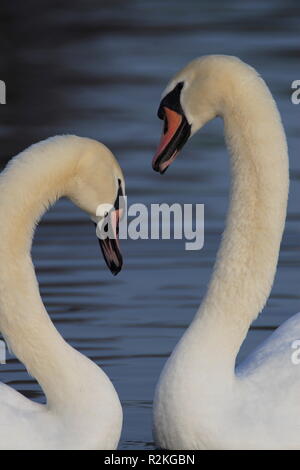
(97, 69)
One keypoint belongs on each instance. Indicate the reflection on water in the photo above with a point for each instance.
(97, 69)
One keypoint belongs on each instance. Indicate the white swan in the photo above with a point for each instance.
(202, 401)
(83, 410)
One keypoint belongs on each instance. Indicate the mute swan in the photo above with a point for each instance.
(202, 401)
(83, 410)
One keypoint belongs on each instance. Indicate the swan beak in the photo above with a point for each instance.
(110, 246)
(176, 132)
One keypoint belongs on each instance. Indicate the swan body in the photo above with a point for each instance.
(83, 410)
(202, 400)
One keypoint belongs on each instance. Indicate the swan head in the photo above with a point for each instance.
(98, 188)
(192, 98)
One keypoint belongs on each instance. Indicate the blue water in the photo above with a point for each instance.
(97, 69)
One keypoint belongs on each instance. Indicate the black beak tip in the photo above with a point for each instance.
(156, 167)
(116, 268)
(115, 271)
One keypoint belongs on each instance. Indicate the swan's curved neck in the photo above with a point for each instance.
(246, 262)
(34, 180)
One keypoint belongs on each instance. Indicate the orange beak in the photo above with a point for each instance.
(175, 134)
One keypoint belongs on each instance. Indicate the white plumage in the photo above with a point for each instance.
(201, 400)
(83, 410)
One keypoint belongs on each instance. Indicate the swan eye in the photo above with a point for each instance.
(171, 101)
